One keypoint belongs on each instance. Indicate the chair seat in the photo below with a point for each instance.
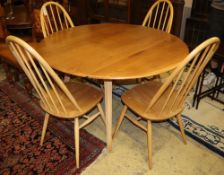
(139, 97)
(87, 97)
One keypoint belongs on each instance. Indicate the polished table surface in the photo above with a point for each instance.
(112, 51)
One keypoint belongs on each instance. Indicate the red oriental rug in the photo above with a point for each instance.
(20, 130)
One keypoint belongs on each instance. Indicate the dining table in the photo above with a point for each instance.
(110, 51)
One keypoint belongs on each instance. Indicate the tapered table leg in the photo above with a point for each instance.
(108, 112)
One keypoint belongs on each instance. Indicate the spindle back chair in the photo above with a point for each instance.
(70, 100)
(157, 101)
(53, 18)
(160, 16)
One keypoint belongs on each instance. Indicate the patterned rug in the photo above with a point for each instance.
(211, 137)
(20, 130)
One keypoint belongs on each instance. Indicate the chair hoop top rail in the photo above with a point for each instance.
(53, 18)
(160, 16)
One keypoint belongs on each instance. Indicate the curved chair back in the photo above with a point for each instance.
(49, 87)
(177, 86)
(160, 16)
(53, 18)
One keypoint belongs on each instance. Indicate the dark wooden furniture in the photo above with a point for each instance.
(9, 63)
(93, 11)
(197, 31)
(22, 18)
(213, 93)
(197, 24)
(126, 11)
(109, 10)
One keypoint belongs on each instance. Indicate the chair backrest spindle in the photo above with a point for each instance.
(45, 81)
(179, 83)
(53, 18)
(160, 16)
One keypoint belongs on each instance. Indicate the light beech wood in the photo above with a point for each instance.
(89, 120)
(46, 118)
(180, 123)
(120, 119)
(76, 133)
(108, 111)
(136, 122)
(157, 101)
(160, 16)
(102, 113)
(54, 18)
(149, 140)
(112, 51)
(64, 100)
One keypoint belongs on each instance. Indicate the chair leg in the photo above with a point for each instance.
(120, 119)
(149, 140)
(180, 123)
(46, 118)
(101, 112)
(76, 133)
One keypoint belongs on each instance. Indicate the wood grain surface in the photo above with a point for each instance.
(112, 51)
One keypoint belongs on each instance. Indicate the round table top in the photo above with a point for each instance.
(112, 51)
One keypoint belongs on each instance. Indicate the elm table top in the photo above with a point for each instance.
(112, 51)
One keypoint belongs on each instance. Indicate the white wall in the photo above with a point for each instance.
(186, 14)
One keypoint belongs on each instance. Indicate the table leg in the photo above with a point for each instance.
(108, 112)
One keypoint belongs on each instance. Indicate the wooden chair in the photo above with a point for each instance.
(53, 18)
(160, 16)
(157, 101)
(67, 101)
